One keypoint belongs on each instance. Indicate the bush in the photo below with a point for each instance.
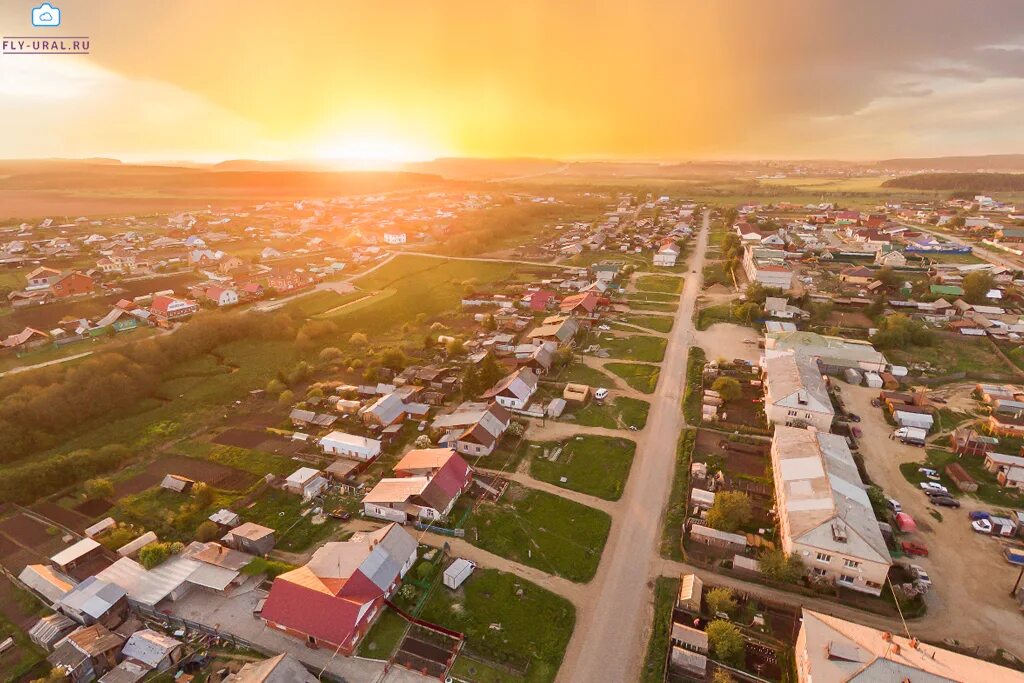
(726, 642)
(721, 600)
(728, 388)
(777, 565)
(730, 511)
(207, 531)
(155, 554)
(96, 489)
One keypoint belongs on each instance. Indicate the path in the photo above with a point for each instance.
(525, 479)
(609, 640)
(55, 361)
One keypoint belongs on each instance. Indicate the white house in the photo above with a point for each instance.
(795, 393)
(306, 482)
(394, 238)
(666, 255)
(222, 296)
(514, 391)
(351, 446)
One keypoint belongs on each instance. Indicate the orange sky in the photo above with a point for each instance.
(646, 79)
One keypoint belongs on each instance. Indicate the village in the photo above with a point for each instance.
(440, 471)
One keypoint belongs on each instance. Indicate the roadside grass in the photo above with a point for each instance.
(637, 347)
(988, 492)
(543, 531)
(657, 297)
(951, 353)
(660, 283)
(658, 323)
(639, 376)
(467, 668)
(621, 413)
(665, 591)
(505, 458)
(595, 465)
(720, 313)
(283, 512)
(657, 306)
(318, 303)
(536, 624)
(676, 510)
(694, 386)
(580, 373)
(717, 274)
(382, 639)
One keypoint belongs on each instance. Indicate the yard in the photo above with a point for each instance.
(658, 323)
(638, 347)
(621, 413)
(580, 373)
(640, 376)
(291, 518)
(595, 465)
(710, 315)
(951, 353)
(534, 624)
(542, 530)
(660, 283)
(382, 639)
(989, 491)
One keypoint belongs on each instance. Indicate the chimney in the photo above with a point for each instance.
(914, 642)
(886, 636)
(896, 648)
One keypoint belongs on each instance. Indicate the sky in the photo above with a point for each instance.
(660, 80)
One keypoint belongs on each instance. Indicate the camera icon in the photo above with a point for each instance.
(45, 15)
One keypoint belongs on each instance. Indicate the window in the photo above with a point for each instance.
(792, 413)
(818, 571)
(823, 557)
(846, 578)
(851, 564)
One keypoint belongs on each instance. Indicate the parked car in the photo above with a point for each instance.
(853, 417)
(875, 403)
(946, 502)
(982, 526)
(340, 513)
(932, 486)
(601, 394)
(856, 431)
(978, 514)
(914, 548)
(929, 472)
(894, 505)
(921, 575)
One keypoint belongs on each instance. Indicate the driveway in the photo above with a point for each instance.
(970, 599)
(610, 637)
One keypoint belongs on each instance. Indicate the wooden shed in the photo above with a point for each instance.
(963, 481)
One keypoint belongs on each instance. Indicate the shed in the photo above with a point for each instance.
(905, 522)
(457, 572)
(691, 590)
(175, 482)
(225, 518)
(46, 581)
(555, 407)
(852, 375)
(342, 468)
(906, 418)
(719, 539)
(71, 555)
(50, 629)
(132, 547)
(961, 478)
(746, 563)
(99, 527)
(873, 380)
(576, 392)
(701, 498)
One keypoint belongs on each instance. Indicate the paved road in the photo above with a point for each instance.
(609, 640)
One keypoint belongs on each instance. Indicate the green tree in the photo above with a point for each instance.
(726, 642)
(900, 331)
(286, 397)
(722, 676)
(330, 354)
(888, 277)
(728, 388)
(393, 359)
(721, 600)
(275, 387)
(202, 495)
(154, 554)
(778, 565)
(207, 531)
(976, 285)
(358, 339)
(730, 511)
(747, 312)
(96, 489)
(455, 348)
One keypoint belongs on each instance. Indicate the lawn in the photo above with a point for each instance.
(384, 636)
(640, 376)
(657, 306)
(318, 303)
(621, 413)
(580, 373)
(988, 491)
(535, 624)
(282, 512)
(595, 465)
(722, 313)
(676, 511)
(660, 283)
(952, 353)
(639, 347)
(658, 323)
(543, 531)
(665, 591)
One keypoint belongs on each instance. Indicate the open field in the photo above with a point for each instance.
(640, 376)
(596, 465)
(634, 347)
(660, 283)
(562, 537)
(621, 413)
(658, 323)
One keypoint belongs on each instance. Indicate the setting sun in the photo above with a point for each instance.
(372, 151)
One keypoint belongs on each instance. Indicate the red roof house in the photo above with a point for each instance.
(539, 300)
(582, 304)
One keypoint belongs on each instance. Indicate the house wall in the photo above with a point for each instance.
(868, 572)
(386, 513)
(778, 414)
(474, 449)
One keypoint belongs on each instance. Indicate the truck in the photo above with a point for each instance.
(911, 435)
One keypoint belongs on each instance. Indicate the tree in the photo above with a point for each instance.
(887, 276)
(330, 354)
(275, 386)
(726, 642)
(722, 676)
(746, 312)
(728, 388)
(154, 554)
(393, 359)
(721, 600)
(730, 511)
(97, 489)
(490, 324)
(956, 222)
(976, 285)
(55, 676)
(207, 531)
(202, 495)
(286, 397)
(899, 331)
(455, 347)
(358, 339)
(781, 566)
(422, 441)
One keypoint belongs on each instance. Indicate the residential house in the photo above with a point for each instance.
(306, 482)
(856, 275)
(474, 428)
(667, 254)
(539, 299)
(172, 308)
(779, 307)
(28, 338)
(251, 538)
(583, 305)
(283, 668)
(76, 554)
(825, 515)
(557, 329)
(333, 599)
(834, 354)
(796, 394)
(72, 284)
(767, 267)
(86, 653)
(515, 390)
(429, 482)
(95, 601)
(394, 238)
(221, 296)
(351, 446)
(890, 258)
(41, 278)
(832, 650)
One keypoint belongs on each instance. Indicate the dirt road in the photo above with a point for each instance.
(612, 624)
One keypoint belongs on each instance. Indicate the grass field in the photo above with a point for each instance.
(383, 637)
(953, 353)
(635, 347)
(583, 374)
(640, 376)
(595, 465)
(660, 283)
(542, 530)
(658, 306)
(676, 511)
(622, 413)
(283, 511)
(665, 591)
(535, 623)
(319, 303)
(658, 323)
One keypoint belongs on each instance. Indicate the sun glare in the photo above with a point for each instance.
(372, 152)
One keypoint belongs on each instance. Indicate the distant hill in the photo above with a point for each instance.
(459, 168)
(979, 182)
(989, 162)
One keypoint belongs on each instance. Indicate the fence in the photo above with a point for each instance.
(456, 533)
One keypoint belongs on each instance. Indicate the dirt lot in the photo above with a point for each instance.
(735, 461)
(970, 599)
(850, 319)
(24, 540)
(69, 518)
(219, 476)
(254, 420)
(725, 340)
